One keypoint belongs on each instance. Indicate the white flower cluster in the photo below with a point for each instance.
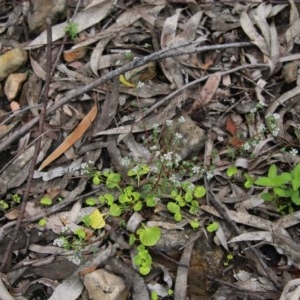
(170, 158)
(75, 259)
(59, 242)
(125, 161)
(294, 151)
(85, 168)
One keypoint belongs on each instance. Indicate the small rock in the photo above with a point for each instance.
(103, 285)
(11, 61)
(183, 137)
(13, 84)
(290, 72)
(40, 10)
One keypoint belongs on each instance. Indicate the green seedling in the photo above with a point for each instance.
(281, 187)
(229, 258)
(46, 201)
(3, 205)
(214, 226)
(43, 222)
(231, 171)
(71, 30)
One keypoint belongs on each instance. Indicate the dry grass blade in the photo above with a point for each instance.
(72, 138)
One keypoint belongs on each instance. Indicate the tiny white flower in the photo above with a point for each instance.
(275, 132)
(140, 84)
(75, 259)
(153, 148)
(156, 127)
(196, 169)
(157, 153)
(65, 229)
(177, 158)
(178, 136)
(209, 175)
(247, 146)
(276, 116)
(59, 242)
(294, 151)
(191, 187)
(174, 180)
(154, 169)
(181, 120)
(261, 127)
(125, 161)
(168, 156)
(169, 123)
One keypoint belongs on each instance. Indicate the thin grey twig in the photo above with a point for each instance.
(164, 53)
(6, 261)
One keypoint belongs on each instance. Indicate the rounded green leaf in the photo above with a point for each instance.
(199, 191)
(115, 210)
(138, 206)
(178, 217)
(212, 227)
(96, 180)
(173, 207)
(149, 235)
(90, 201)
(46, 200)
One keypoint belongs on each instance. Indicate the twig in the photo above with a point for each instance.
(181, 49)
(7, 256)
(222, 210)
(170, 96)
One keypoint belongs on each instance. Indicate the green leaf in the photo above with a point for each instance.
(109, 198)
(90, 201)
(267, 197)
(296, 172)
(173, 207)
(177, 217)
(272, 171)
(145, 270)
(138, 206)
(151, 201)
(249, 181)
(264, 181)
(132, 239)
(115, 210)
(282, 192)
(80, 233)
(113, 180)
(232, 170)
(212, 227)
(96, 180)
(42, 222)
(188, 197)
(149, 235)
(295, 197)
(282, 179)
(194, 224)
(295, 184)
(199, 191)
(136, 196)
(46, 200)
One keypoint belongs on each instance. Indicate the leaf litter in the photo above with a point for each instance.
(123, 80)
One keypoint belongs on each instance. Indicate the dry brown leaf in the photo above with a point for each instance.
(252, 33)
(207, 91)
(72, 138)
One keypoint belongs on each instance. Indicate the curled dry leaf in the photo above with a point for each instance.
(72, 138)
